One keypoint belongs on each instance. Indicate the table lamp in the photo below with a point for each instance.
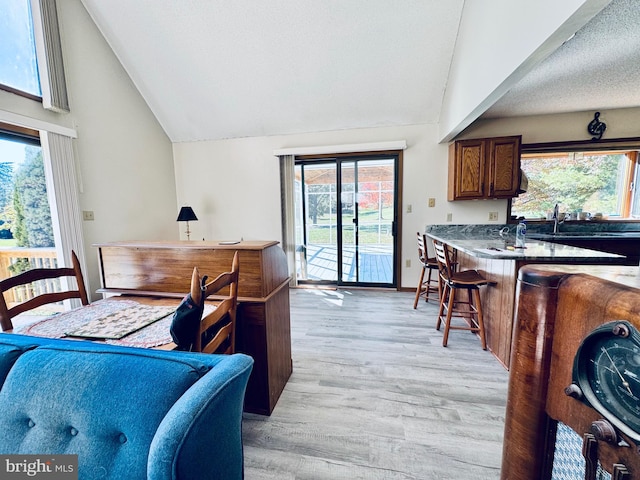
(186, 214)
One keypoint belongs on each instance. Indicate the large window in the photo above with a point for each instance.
(602, 182)
(18, 66)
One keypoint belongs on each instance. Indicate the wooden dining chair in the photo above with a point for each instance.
(35, 275)
(429, 288)
(218, 329)
(457, 280)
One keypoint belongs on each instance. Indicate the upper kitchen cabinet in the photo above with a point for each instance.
(484, 168)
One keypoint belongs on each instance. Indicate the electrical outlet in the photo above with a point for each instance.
(87, 215)
(409, 208)
(493, 216)
(407, 263)
(432, 202)
(449, 217)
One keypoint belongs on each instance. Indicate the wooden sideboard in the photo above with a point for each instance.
(263, 322)
(557, 307)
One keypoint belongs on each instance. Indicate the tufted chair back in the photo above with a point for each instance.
(102, 403)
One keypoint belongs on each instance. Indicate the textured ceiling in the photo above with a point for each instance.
(597, 69)
(222, 69)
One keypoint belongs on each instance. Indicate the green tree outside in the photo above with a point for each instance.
(6, 202)
(32, 227)
(574, 182)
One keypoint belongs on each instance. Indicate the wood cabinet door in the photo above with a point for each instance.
(504, 167)
(468, 170)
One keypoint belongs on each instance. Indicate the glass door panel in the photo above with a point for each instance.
(316, 210)
(345, 221)
(349, 222)
(368, 221)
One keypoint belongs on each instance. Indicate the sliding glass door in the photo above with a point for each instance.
(346, 213)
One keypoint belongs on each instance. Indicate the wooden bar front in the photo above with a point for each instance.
(499, 298)
(263, 321)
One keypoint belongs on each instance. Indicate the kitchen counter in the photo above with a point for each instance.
(480, 247)
(534, 251)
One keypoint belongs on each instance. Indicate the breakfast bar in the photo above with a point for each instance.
(483, 248)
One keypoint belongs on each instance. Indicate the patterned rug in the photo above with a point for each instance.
(118, 322)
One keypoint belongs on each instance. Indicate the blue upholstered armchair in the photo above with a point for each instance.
(127, 413)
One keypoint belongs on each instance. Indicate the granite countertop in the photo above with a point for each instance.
(489, 244)
(625, 275)
(583, 235)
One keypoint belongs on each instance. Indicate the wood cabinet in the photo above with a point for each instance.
(163, 269)
(555, 311)
(484, 168)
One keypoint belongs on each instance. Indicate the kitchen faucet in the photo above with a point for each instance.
(556, 220)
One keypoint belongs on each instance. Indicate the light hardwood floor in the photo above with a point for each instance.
(374, 395)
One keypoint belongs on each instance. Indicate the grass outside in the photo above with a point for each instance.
(372, 231)
(7, 242)
(364, 217)
(368, 234)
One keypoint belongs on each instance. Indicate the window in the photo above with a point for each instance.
(603, 182)
(18, 65)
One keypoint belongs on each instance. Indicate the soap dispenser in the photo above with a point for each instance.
(521, 232)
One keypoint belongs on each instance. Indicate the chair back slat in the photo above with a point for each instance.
(223, 318)
(444, 260)
(422, 248)
(36, 275)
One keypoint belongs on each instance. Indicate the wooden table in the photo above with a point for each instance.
(263, 321)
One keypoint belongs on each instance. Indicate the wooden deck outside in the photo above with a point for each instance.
(376, 263)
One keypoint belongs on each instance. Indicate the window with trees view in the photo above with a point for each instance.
(25, 216)
(594, 182)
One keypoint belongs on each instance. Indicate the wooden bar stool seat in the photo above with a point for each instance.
(429, 288)
(471, 309)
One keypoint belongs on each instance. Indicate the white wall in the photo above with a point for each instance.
(234, 185)
(123, 157)
(621, 123)
(499, 42)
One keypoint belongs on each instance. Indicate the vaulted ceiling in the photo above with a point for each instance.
(225, 69)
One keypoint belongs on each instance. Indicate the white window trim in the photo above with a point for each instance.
(62, 191)
(352, 148)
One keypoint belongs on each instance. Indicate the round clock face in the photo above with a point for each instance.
(607, 370)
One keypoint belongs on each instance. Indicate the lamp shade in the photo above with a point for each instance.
(186, 215)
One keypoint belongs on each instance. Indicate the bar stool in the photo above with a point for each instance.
(430, 287)
(471, 309)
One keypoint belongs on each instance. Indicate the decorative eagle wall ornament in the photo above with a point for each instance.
(596, 127)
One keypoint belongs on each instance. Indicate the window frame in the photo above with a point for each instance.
(616, 144)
